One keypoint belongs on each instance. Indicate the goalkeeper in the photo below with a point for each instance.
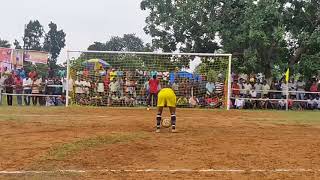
(166, 98)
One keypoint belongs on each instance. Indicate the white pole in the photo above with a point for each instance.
(287, 96)
(229, 84)
(67, 81)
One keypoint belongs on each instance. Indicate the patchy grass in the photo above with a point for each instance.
(62, 151)
(289, 118)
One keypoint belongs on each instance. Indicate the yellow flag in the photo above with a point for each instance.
(287, 75)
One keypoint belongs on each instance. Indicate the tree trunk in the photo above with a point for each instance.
(295, 58)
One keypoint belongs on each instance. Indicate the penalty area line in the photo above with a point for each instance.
(162, 170)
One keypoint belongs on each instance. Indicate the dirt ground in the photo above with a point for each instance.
(41, 139)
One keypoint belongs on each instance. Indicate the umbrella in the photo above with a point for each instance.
(96, 62)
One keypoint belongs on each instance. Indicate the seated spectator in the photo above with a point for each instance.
(239, 103)
(182, 102)
(317, 102)
(312, 104)
(281, 104)
(210, 87)
(129, 100)
(193, 101)
(213, 102)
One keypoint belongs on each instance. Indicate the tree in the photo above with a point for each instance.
(17, 44)
(33, 33)
(4, 43)
(260, 34)
(54, 42)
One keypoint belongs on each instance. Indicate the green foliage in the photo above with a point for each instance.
(54, 42)
(262, 35)
(41, 69)
(33, 33)
(4, 43)
(17, 44)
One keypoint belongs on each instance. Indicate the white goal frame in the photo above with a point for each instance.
(154, 53)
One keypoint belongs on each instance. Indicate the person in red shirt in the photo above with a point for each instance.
(314, 88)
(153, 88)
(19, 89)
(33, 74)
(235, 88)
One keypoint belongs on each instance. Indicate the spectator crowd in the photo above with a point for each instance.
(29, 88)
(253, 92)
(116, 87)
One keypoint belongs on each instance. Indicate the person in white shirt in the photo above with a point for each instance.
(27, 83)
(247, 87)
(239, 103)
(79, 90)
(301, 88)
(35, 90)
(258, 88)
(292, 87)
(265, 89)
(284, 89)
(210, 87)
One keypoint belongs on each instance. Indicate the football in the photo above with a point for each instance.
(166, 123)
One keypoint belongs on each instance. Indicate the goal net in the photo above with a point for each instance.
(128, 79)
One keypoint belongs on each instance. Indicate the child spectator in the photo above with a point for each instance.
(239, 103)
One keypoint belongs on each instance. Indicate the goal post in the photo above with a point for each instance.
(117, 78)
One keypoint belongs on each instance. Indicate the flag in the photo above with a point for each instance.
(287, 75)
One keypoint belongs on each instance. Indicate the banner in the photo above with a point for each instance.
(36, 57)
(17, 58)
(5, 55)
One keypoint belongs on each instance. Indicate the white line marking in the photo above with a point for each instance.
(163, 170)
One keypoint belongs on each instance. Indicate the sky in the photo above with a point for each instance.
(84, 21)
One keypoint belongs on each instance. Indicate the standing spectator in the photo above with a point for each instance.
(235, 88)
(79, 90)
(292, 87)
(153, 84)
(27, 83)
(265, 89)
(2, 79)
(314, 88)
(22, 73)
(210, 87)
(301, 89)
(8, 83)
(42, 89)
(33, 74)
(247, 88)
(219, 86)
(284, 89)
(258, 88)
(100, 88)
(114, 86)
(35, 90)
(19, 89)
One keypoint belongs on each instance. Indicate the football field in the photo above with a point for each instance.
(118, 143)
